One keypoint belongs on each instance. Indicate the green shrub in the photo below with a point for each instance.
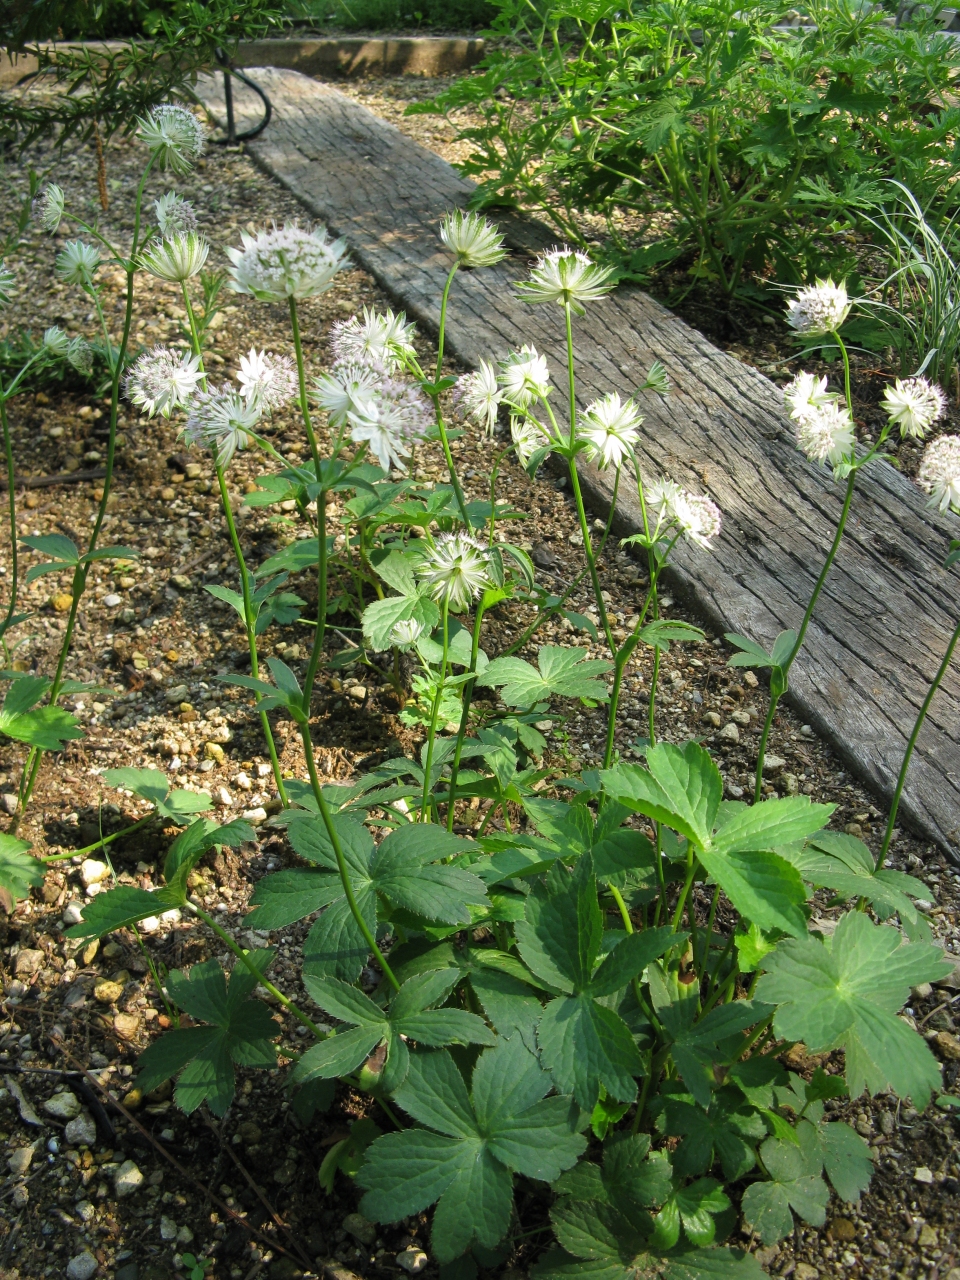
(739, 148)
(391, 15)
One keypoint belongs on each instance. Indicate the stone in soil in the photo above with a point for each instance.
(63, 1106)
(412, 1260)
(358, 1226)
(82, 1266)
(19, 1162)
(127, 1179)
(81, 1131)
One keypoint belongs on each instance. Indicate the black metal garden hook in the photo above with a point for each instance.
(233, 137)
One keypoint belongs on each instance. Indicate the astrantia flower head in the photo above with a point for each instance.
(914, 405)
(80, 355)
(819, 308)
(478, 396)
(940, 473)
(698, 517)
(286, 262)
(389, 421)
(55, 341)
(270, 380)
(806, 394)
(347, 388)
(406, 633)
(567, 276)
(475, 241)
(524, 375)
(528, 436)
(48, 207)
(456, 570)
(77, 262)
(174, 135)
(221, 422)
(826, 434)
(610, 429)
(7, 282)
(161, 379)
(174, 214)
(177, 257)
(380, 339)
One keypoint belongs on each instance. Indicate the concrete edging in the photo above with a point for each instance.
(319, 56)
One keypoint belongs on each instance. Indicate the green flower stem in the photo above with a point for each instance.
(441, 336)
(32, 765)
(435, 397)
(11, 495)
(438, 698)
(250, 625)
(244, 958)
(801, 634)
(571, 374)
(684, 892)
(98, 844)
(341, 860)
(494, 477)
(464, 714)
(752, 1038)
(302, 381)
(637, 988)
(921, 716)
(704, 959)
(172, 1013)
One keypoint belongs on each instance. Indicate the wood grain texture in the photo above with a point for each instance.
(888, 608)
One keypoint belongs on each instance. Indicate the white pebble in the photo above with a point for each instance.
(92, 871)
(254, 815)
(111, 601)
(127, 1179)
(412, 1260)
(168, 1228)
(63, 1106)
(81, 1131)
(82, 1266)
(72, 913)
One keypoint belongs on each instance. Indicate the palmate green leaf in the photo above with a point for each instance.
(631, 1175)
(242, 1032)
(795, 1183)
(115, 909)
(846, 993)
(728, 1131)
(380, 617)
(565, 672)
(48, 728)
(152, 785)
(693, 1206)
(19, 872)
(584, 1044)
(410, 1015)
(466, 1168)
(662, 631)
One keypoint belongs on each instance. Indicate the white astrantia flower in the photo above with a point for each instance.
(160, 380)
(221, 421)
(380, 339)
(806, 394)
(610, 429)
(55, 341)
(406, 633)
(76, 262)
(456, 570)
(347, 388)
(80, 355)
(698, 517)
(914, 405)
(528, 436)
(176, 258)
(286, 262)
(174, 135)
(270, 380)
(568, 277)
(477, 395)
(7, 282)
(819, 308)
(48, 207)
(826, 434)
(523, 376)
(174, 214)
(940, 472)
(389, 421)
(475, 241)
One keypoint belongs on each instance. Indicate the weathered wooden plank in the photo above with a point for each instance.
(888, 608)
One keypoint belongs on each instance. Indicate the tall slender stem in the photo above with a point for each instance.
(11, 495)
(341, 860)
(464, 715)
(438, 698)
(302, 382)
(921, 716)
(777, 692)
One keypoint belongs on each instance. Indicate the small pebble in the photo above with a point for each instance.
(19, 1162)
(92, 871)
(63, 1106)
(360, 1228)
(412, 1260)
(127, 1179)
(82, 1266)
(923, 1174)
(81, 1131)
(85, 1210)
(111, 601)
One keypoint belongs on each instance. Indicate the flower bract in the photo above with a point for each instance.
(286, 262)
(456, 570)
(568, 277)
(176, 257)
(55, 341)
(270, 380)
(174, 214)
(475, 241)
(940, 473)
(346, 388)
(523, 376)
(379, 339)
(161, 379)
(406, 633)
(76, 262)
(914, 405)
(528, 436)
(48, 207)
(389, 421)
(221, 422)
(7, 282)
(818, 309)
(478, 396)
(806, 394)
(80, 355)
(826, 433)
(174, 135)
(610, 429)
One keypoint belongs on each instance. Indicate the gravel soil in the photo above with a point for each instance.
(243, 1189)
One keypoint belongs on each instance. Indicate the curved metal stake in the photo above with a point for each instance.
(233, 137)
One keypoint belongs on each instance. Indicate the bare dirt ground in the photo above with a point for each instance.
(245, 1189)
